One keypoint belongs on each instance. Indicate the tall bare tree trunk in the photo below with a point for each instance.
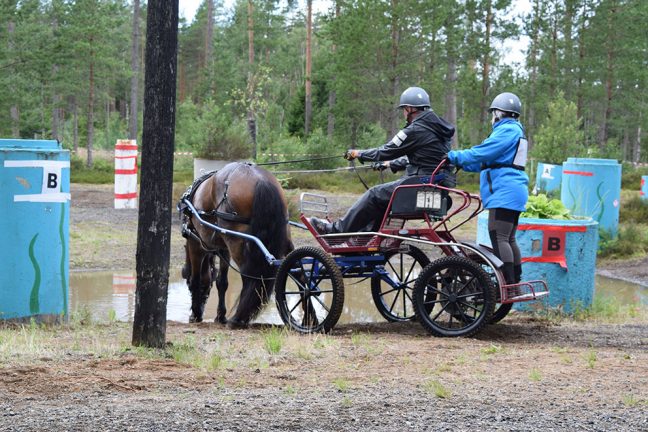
(135, 61)
(14, 110)
(308, 108)
(75, 124)
(90, 125)
(486, 64)
(251, 119)
(609, 78)
(154, 223)
(451, 97)
(393, 63)
(209, 46)
(330, 126)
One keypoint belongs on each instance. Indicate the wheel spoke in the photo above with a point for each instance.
(391, 308)
(326, 308)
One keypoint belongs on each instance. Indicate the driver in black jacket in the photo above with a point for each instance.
(418, 149)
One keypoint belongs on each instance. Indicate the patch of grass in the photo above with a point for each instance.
(535, 375)
(185, 352)
(273, 340)
(346, 401)
(290, 390)
(341, 384)
(590, 359)
(492, 349)
(112, 316)
(437, 389)
(631, 400)
(81, 317)
(214, 362)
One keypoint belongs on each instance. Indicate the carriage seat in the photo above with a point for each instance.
(413, 202)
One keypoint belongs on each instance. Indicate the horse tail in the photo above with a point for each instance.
(269, 223)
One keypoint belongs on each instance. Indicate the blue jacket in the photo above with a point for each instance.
(500, 187)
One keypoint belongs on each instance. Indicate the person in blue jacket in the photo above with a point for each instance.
(501, 159)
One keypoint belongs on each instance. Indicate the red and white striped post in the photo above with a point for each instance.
(126, 174)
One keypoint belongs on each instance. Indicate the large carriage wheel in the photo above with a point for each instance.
(454, 297)
(501, 310)
(309, 290)
(403, 268)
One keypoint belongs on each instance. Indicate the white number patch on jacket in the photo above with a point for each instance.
(399, 138)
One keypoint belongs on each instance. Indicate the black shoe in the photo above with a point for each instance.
(322, 226)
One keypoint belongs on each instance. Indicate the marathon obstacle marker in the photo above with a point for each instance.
(125, 174)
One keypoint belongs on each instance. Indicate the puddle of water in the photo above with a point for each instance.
(103, 292)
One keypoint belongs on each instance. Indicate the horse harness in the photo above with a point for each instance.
(187, 228)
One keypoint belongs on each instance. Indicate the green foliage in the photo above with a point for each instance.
(560, 136)
(210, 133)
(631, 241)
(102, 172)
(634, 210)
(541, 207)
(631, 176)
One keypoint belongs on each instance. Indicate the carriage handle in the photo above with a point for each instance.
(266, 253)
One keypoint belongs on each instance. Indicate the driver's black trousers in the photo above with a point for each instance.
(367, 213)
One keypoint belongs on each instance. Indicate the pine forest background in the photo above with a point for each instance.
(266, 78)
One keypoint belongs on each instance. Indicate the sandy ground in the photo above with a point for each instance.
(525, 373)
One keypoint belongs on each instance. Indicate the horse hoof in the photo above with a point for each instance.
(220, 320)
(193, 319)
(236, 325)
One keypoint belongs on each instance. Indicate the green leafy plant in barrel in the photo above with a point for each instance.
(542, 207)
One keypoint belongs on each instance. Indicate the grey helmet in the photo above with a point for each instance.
(415, 97)
(507, 102)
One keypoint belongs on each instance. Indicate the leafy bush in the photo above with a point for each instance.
(632, 241)
(634, 210)
(561, 135)
(631, 176)
(210, 133)
(541, 207)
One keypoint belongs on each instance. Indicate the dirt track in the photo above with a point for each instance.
(522, 374)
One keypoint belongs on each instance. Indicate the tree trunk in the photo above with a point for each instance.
(451, 98)
(75, 125)
(609, 78)
(14, 110)
(330, 126)
(154, 223)
(251, 118)
(209, 46)
(134, 87)
(486, 64)
(90, 125)
(636, 154)
(308, 109)
(394, 79)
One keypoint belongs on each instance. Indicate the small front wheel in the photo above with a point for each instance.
(454, 296)
(309, 290)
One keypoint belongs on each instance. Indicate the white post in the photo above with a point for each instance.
(126, 174)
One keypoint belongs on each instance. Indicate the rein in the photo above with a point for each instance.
(296, 161)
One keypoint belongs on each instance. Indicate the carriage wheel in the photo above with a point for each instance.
(309, 291)
(501, 310)
(454, 297)
(392, 292)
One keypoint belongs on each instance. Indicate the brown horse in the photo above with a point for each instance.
(246, 199)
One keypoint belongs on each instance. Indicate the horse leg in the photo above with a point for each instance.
(222, 285)
(199, 280)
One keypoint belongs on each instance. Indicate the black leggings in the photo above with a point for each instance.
(502, 225)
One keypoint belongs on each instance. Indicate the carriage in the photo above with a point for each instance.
(417, 268)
